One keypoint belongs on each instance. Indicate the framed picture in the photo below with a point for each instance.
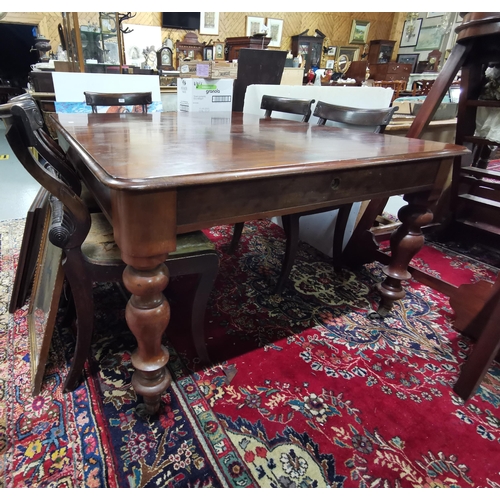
(330, 64)
(331, 51)
(44, 303)
(408, 59)
(430, 38)
(30, 248)
(351, 52)
(435, 14)
(409, 37)
(209, 23)
(254, 25)
(218, 53)
(359, 32)
(275, 30)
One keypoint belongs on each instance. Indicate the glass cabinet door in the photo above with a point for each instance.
(93, 40)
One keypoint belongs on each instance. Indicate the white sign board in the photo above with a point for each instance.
(69, 87)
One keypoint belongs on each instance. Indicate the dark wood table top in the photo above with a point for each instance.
(168, 150)
(161, 174)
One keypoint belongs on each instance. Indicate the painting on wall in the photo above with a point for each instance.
(275, 31)
(430, 38)
(351, 52)
(254, 25)
(359, 32)
(411, 31)
(408, 59)
(209, 23)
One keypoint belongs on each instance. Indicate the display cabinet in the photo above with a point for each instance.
(92, 41)
(390, 71)
(380, 51)
(310, 48)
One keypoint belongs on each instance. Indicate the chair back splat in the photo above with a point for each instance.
(376, 118)
(24, 124)
(287, 105)
(95, 99)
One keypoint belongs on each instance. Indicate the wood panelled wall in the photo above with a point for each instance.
(335, 25)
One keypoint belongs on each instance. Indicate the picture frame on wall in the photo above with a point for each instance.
(209, 23)
(254, 25)
(408, 59)
(331, 51)
(330, 64)
(351, 52)
(411, 31)
(359, 31)
(430, 38)
(275, 31)
(435, 14)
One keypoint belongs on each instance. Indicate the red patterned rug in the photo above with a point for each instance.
(306, 391)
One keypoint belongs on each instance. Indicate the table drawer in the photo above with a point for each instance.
(400, 69)
(253, 199)
(396, 76)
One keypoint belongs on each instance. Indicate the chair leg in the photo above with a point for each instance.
(238, 228)
(208, 273)
(81, 286)
(291, 227)
(338, 235)
(69, 310)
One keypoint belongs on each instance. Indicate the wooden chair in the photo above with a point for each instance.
(287, 105)
(377, 120)
(95, 99)
(397, 85)
(90, 253)
(481, 325)
(269, 103)
(476, 306)
(421, 87)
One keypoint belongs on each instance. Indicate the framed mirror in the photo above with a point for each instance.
(44, 303)
(342, 64)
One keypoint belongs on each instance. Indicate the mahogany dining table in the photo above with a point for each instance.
(160, 174)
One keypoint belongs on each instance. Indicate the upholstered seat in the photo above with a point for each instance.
(100, 247)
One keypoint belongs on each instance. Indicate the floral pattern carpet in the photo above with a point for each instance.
(304, 389)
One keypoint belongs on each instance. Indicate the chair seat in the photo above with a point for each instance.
(100, 247)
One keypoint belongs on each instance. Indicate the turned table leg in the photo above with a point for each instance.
(148, 314)
(405, 242)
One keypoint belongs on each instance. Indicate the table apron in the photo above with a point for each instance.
(201, 207)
